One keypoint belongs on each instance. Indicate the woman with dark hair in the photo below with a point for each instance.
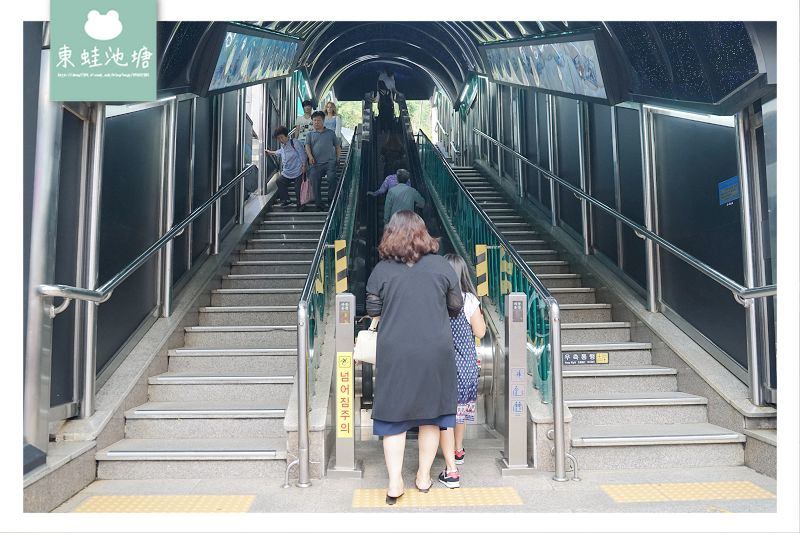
(413, 291)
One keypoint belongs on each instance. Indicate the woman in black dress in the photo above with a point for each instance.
(414, 291)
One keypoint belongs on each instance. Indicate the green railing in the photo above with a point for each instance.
(317, 291)
(469, 226)
(507, 272)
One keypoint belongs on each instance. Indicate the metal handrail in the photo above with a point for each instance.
(104, 291)
(740, 291)
(554, 313)
(303, 460)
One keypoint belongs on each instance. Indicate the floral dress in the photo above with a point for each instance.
(467, 369)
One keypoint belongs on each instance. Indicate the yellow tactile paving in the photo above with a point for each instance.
(206, 503)
(463, 497)
(675, 492)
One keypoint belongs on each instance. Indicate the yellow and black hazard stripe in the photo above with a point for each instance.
(506, 267)
(319, 283)
(340, 248)
(482, 269)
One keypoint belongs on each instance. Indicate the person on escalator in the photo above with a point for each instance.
(293, 165)
(389, 182)
(466, 326)
(412, 291)
(401, 197)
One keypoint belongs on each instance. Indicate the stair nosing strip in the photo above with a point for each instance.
(607, 347)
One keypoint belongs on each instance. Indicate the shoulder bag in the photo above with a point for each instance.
(366, 344)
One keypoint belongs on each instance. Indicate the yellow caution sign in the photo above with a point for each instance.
(319, 284)
(344, 394)
(340, 248)
(482, 269)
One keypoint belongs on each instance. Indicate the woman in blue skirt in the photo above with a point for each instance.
(414, 291)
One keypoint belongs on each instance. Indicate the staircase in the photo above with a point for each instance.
(218, 411)
(627, 413)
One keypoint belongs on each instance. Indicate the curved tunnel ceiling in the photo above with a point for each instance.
(711, 66)
(429, 54)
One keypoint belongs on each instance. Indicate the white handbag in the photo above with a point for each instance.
(366, 344)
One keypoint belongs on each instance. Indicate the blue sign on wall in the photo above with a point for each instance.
(729, 191)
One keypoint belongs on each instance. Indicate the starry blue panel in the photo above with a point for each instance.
(729, 55)
(649, 74)
(688, 77)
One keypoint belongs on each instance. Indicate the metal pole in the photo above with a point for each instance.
(262, 146)
(241, 119)
(216, 211)
(345, 464)
(304, 477)
(753, 359)
(171, 120)
(646, 132)
(98, 119)
(190, 229)
(44, 219)
(559, 438)
(499, 106)
(551, 151)
(516, 108)
(583, 161)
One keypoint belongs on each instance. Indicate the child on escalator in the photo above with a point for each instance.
(465, 327)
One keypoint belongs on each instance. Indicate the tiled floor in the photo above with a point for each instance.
(696, 490)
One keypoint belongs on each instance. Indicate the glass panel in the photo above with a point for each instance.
(492, 122)
(183, 154)
(629, 146)
(129, 223)
(544, 153)
(602, 181)
(203, 175)
(510, 118)
(568, 160)
(528, 126)
(692, 158)
(230, 159)
(69, 198)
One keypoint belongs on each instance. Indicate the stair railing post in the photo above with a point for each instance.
(345, 465)
(304, 477)
(560, 473)
(515, 454)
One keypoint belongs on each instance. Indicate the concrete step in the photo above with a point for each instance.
(269, 361)
(295, 215)
(656, 446)
(249, 297)
(264, 281)
(288, 234)
(549, 267)
(238, 387)
(212, 420)
(538, 255)
(284, 336)
(520, 234)
(192, 458)
(270, 267)
(529, 244)
(292, 224)
(519, 226)
(595, 332)
(500, 211)
(571, 313)
(506, 218)
(596, 379)
(282, 244)
(637, 408)
(253, 315)
(485, 204)
(574, 295)
(635, 354)
(273, 254)
(555, 281)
